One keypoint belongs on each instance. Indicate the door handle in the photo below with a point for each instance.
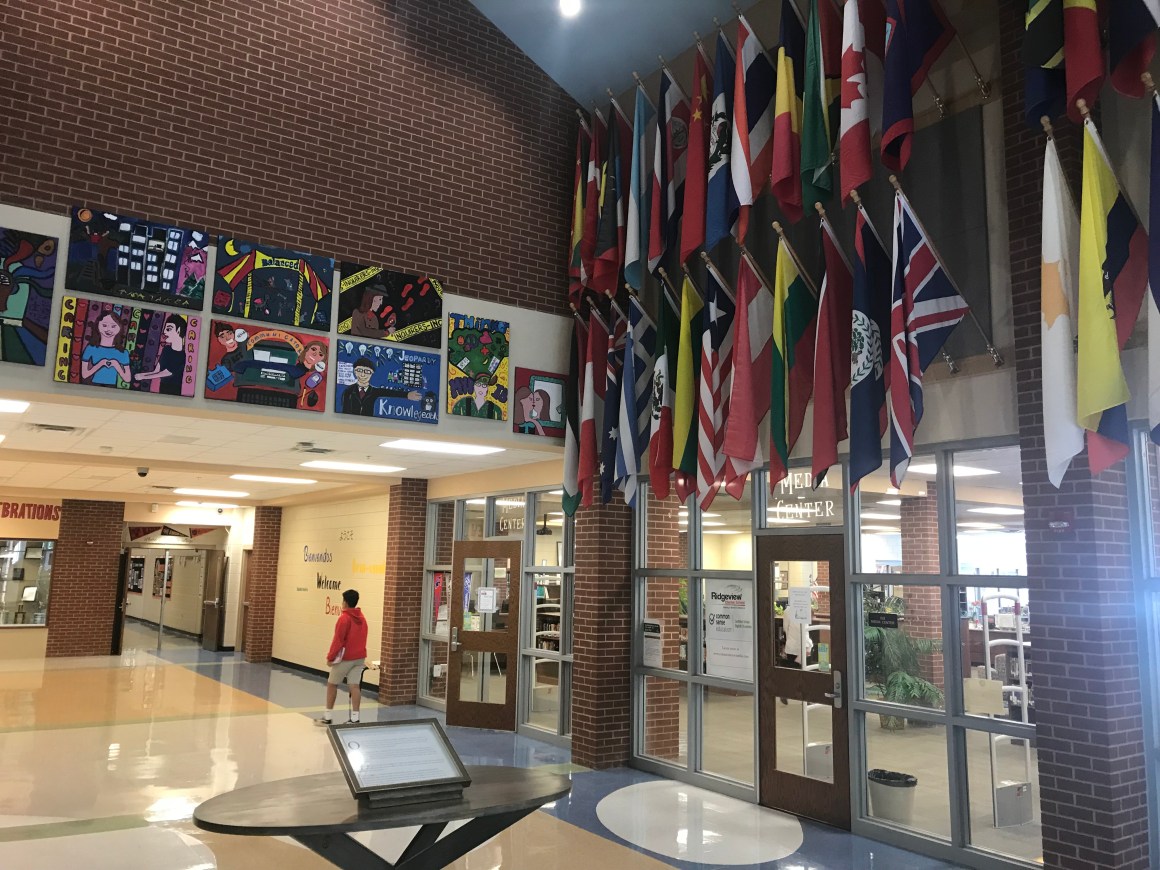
(454, 639)
(836, 695)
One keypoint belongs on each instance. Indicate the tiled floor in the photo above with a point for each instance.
(103, 761)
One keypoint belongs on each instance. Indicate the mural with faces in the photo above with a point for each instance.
(538, 403)
(27, 275)
(262, 365)
(391, 382)
(477, 366)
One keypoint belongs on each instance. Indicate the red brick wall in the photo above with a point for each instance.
(85, 573)
(408, 133)
(1085, 649)
(920, 555)
(403, 592)
(667, 548)
(262, 585)
(444, 532)
(601, 624)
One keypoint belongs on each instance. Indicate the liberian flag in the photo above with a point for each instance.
(751, 153)
(926, 309)
(592, 198)
(854, 142)
(1132, 42)
(786, 178)
(750, 393)
(668, 194)
(721, 205)
(636, 388)
(610, 434)
(831, 355)
(592, 407)
(572, 390)
(660, 445)
(716, 376)
(639, 195)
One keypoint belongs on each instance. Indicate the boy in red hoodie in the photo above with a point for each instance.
(346, 657)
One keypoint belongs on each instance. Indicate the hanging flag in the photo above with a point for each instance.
(572, 390)
(786, 178)
(639, 195)
(669, 165)
(925, 309)
(795, 313)
(697, 159)
(608, 267)
(575, 287)
(636, 388)
(750, 393)
(1043, 34)
(592, 407)
(751, 152)
(831, 355)
(869, 371)
(721, 205)
(1132, 42)
(715, 385)
(610, 434)
(855, 168)
(1062, 436)
(820, 103)
(1113, 279)
(1083, 54)
(917, 33)
(1154, 278)
(873, 16)
(685, 401)
(660, 444)
(596, 150)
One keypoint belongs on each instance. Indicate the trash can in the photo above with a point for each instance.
(892, 795)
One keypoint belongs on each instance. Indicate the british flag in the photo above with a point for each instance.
(926, 308)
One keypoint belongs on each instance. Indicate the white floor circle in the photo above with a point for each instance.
(691, 824)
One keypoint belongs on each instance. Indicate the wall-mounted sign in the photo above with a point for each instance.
(795, 498)
(798, 611)
(651, 632)
(485, 601)
(29, 519)
(882, 620)
(729, 629)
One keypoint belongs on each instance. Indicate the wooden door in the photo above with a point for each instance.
(484, 644)
(243, 592)
(803, 712)
(213, 608)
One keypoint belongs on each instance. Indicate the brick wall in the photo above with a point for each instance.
(1085, 650)
(85, 573)
(667, 548)
(262, 584)
(920, 555)
(601, 625)
(403, 592)
(444, 532)
(408, 133)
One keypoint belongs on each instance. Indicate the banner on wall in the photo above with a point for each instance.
(27, 275)
(146, 350)
(389, 382)
(729, 629)
(477, 366)
(273, 285)
(394, 306)
(538, 406)
(272, 367)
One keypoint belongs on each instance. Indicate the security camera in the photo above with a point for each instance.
(142, 471)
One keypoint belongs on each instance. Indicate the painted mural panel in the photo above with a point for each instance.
(269, 366)
(133, 258)
(27, 274)
(145, 350)
(538, 403)
(394, 306)
(386, 381)
(273, 285)
(477, 366)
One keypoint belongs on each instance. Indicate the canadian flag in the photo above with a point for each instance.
(863, 45)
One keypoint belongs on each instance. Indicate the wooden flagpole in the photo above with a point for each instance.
(834, 236)
(643, 90)
(701, 49)
(584, 123)
(633, 294)
(615, 307)
(984, 87)
(757, 270)
(712, 267)
(619, 110)
(796, 261)
(673, 77)
(670, 291)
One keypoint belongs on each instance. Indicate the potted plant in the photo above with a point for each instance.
(893, 664)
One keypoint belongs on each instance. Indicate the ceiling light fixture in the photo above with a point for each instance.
(569, 8)
(208, 504)
(265, 478)
(880, 529)
(787, 521)
(873, 515)
(211, 493)
(334, 465)
(711, 523)
(891, 502)
(13, 406)
(440, 447)
(960, 470)
(997, 511)
(994, 527)
(721, 532)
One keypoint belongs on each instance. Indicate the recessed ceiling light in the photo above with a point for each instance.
(891, 502)
(998, 511)
(722, 532)
(711, 523)
(264, 478)
(477, 501)
(211, 493)
(960, 470)
(981, 526)
(569, 8)
(333, 465)
(874, 515)
(555, 492)
(207, 504)
(2, 437)
(440, 447)
(13, 406)
(787, 521)
(879, 529)
(510, 502)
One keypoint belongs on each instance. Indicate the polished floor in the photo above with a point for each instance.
(102, 762)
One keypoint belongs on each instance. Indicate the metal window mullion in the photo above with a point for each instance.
(958, 778)
(947, 526)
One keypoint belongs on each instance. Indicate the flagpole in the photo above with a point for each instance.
(833, 236)
(757, 270)
(796, 261)
(1087, 117)
(1050, 131)
(701, 48)
(692, 282)
(995, 357)
(669, 289)
(619, 110)
(984, 87)
(741, 17)
(640, 304)
(640, 84)
(711, 266)
(615, 307)
(584, 123)
(576, 312)
(673, 78)
(865, 214)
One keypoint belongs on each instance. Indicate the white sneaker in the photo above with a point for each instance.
(323, 722)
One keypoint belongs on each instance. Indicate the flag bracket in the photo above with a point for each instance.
(984, 86)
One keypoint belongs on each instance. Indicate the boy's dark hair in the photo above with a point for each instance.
(350, 597)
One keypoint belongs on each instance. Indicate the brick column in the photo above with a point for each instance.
(85, 572)
(403, 592)
(262, 584)
(602, 626)
(1084, 657)
(920, 555)
(667, 548)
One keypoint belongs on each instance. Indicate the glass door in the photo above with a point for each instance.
(803, 743)
(484, 637)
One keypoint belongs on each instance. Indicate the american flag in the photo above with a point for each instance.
(926, 309)
(715, 386)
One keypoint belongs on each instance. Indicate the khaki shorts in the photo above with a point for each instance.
(351, 671)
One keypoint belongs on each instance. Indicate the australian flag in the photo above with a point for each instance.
(926, 308)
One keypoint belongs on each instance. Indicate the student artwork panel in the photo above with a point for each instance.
(269, 366)
(273, 285)
(145, 350)
(386, 381)
(393, 306)
(538, 403)
(477, 366)
(137, 259)
(27, 275)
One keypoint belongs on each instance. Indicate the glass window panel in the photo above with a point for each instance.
(728, 611)
(668, 539)
(440, 597)
(805, 739)
(902, 632)
(907, 775)
(666, 705)
(547, 632)
(794, 503)
(727, 743)
(442, 516)
(667, 602)
(989, 512)
(1152, 473)
(473, 513)
(548, 541)
(999, 684)
(509, 517)
(26, 580)
(1003, 781)
(727, 532)
(546, 693)
(486, 610)
(437, 685)
(900, 527)
(483, 677)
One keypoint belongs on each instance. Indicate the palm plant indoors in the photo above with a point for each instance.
(893, 660)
